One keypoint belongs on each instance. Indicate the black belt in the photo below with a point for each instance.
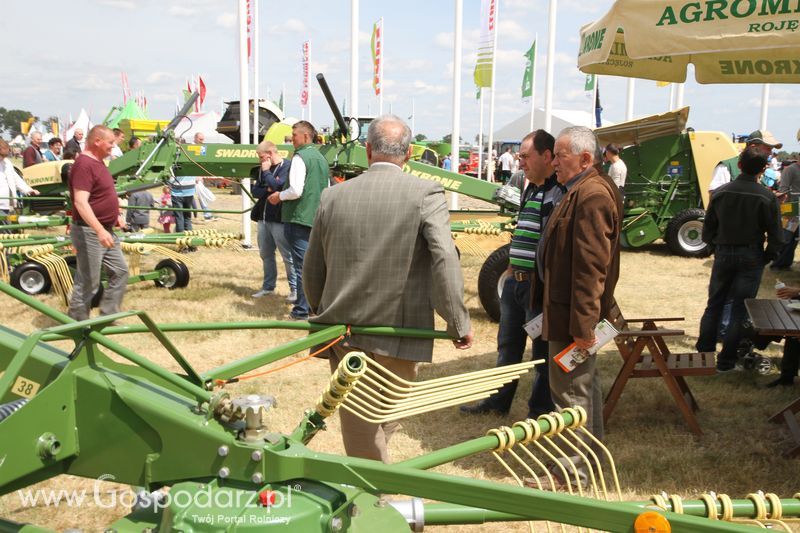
(521, 275)
(109, 228)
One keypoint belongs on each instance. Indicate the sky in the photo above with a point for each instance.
(74, 57)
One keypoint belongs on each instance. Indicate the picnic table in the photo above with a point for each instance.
(776, 318)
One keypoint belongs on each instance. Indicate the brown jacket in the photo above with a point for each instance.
(581, 258)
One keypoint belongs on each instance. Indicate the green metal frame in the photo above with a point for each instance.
(149, 427)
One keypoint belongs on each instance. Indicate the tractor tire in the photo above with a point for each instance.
(72, 263)
(684, 234)
(491, 279)
(31, 278)
(176, 276)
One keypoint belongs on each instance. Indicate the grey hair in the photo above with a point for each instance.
(385, 144)
(581, 139)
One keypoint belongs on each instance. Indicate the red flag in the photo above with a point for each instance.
(202, 90)
(189, 86)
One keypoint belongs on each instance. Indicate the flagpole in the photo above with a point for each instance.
(679, 96)
(480, 136)
(594, 102)
(533, 78)
(494, 70)
(455, 136)
(383, 61)
(671, 96)
(548, 81)
(255, 72)
(283, 99)
(354, 63)
(244, 117)
(764, 106)
(629, 100)
(413, 117)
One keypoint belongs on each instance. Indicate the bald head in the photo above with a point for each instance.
(100, 141)
(388, 140)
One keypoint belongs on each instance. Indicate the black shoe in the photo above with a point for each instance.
(481, 408)
(783, 382)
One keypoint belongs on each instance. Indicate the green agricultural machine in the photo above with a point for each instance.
(669, 171)
(197, 458)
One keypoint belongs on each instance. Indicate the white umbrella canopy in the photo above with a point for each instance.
(727, 41)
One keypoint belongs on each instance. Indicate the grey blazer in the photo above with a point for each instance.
(381, 254)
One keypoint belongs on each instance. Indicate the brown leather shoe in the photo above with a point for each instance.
(557, 485)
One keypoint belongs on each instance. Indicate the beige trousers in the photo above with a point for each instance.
(365, 439)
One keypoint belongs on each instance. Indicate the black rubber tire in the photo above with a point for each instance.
(491, 279)
(72, 263)
(177, 278)
(31, 278)
(684, 231)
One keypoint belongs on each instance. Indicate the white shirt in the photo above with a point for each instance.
(720, 177)
(618, 172)
(297, 180)
(10, 183)
(116, 151)
(506, 160)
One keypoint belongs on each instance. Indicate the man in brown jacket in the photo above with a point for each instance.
(579, 258)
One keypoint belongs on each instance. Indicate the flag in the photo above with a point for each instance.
(126, 89)
(527, 77)
(202, 85)
(377, 55)
(280, 101)
(588, 85)
(306, 58)
(249, 23)
(483, 67)
(478, 93)
(54, 127)
(598, 109)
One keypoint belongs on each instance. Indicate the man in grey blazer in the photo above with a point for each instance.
(381, 253)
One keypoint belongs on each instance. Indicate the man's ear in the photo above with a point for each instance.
(739, 164)
(369, 153)
(408, 154)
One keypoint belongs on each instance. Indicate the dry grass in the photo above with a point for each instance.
(739, 453)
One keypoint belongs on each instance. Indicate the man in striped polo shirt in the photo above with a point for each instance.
(535, 160)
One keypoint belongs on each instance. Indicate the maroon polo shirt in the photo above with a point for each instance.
(89, 174)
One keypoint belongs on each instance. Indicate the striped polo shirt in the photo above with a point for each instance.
(529, 227)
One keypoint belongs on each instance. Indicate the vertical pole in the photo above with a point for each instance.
(354, 63)
(551, 52)
(413, 117)
(455, 136)
(629, 100)
(592, 115)
(383, 62)
(494, 70)
(671, 97)
(255, 73)
(308, 105)
(244, 116)
(764, 106)
(533, 79)
(480, 137)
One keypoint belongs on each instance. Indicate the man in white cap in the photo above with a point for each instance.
(727, 170)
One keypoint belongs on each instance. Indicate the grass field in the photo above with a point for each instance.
(739, 453)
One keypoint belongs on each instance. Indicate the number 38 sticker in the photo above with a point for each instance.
(25, 387)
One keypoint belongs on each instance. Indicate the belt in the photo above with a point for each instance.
(521, 275)
(108, 227)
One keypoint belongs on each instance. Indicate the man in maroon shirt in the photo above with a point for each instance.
(95, 213)
(33, 153)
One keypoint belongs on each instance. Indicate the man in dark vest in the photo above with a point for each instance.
(308, 176)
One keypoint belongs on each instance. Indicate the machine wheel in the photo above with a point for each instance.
(175, 276)
(72, 263)
(31, 278)
(491, 280)
(684, 234)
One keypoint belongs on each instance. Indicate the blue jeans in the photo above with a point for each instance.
(183, 219)
(297, 236)
(512, 339)
(786, 255)
(735, 276)
(271, 236)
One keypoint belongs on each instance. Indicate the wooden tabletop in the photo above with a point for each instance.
(773, 317)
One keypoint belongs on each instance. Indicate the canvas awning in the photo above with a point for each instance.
(643, 129)
(727, 41)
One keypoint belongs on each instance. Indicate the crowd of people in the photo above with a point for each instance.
(377, 250)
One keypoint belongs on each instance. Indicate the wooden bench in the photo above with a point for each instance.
(645, 354)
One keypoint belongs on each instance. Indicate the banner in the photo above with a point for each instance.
(306, 59)
(249, 26)
(126, 89)
(588, 86)
(527, 78)
(377, 55)
(202, 90)
(483, 67)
